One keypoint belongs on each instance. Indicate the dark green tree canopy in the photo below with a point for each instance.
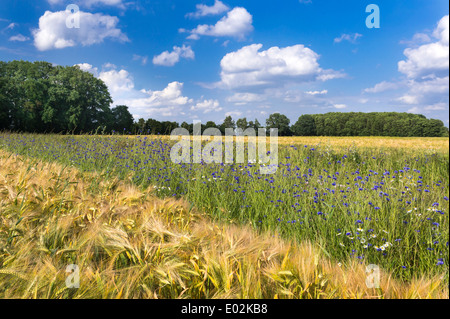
(40, 97)
(227, 123)
(375, 124)
(305, 126)
(279, 121)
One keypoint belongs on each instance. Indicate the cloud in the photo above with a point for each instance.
(326, 75)
(116, 3)
(437, 107)
(429, 108)
(54, 2)
(408, 99)
(418, 38)
(424, 85)
(233, 113)
(94, 28)
(117, 81)
(88, 68)
(170, 96)
(426, 91)
(381, 87)
(340, 106)
(10, 26)
(19, 38)
(171, 58)
(244, 98)
(426, 68)
(415, 110)
(250, 67)
(142, 103)
(323, 92)
(431, 58)
(204, 10)
(348, 37)
(237, 24)
(142, 59)
(207, 106)
(91, 3)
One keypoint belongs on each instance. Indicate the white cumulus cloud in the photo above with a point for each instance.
(237, 23)
(204, 10)
(169, 96)
(430, 58)
(144, 103)
(171, 58)
(53, 32)
(207, 106)
(117, 81)
(249, 66)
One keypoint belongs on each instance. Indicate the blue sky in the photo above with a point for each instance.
(183, 60)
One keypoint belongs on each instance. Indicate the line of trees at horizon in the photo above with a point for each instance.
(39, 97)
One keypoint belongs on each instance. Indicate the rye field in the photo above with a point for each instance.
(140, 226)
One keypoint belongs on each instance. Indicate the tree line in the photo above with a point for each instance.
(43, 98)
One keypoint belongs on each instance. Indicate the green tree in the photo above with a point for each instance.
(153, 126)
(305, 126)
(227, 123)
(279, 121)
(122, 119)
(210, 124)
(242, 124)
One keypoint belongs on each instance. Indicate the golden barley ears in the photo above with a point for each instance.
(129, 244)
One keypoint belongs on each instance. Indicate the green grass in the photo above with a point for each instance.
(329, 195)
(126, 243)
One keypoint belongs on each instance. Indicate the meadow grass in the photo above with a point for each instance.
(376, 201)
(128, 243)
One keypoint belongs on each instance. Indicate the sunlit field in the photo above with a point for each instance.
(119, 207)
